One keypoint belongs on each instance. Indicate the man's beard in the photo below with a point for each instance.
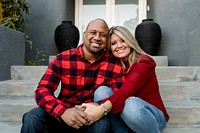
(95, 50)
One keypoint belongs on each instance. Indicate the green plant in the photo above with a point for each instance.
(39, 58)
(12, 15)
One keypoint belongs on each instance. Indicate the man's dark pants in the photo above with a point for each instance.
(38, 121)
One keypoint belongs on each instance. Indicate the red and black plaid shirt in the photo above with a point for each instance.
(79, 79)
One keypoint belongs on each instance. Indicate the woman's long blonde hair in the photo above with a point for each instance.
(127, 36)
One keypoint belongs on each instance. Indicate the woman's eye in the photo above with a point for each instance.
(113, 43)
(122, 40)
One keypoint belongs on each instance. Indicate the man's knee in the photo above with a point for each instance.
(34, 121)
(34, 116)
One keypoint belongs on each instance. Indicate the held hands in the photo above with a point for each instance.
(94, 110)
(76, 117)
(84, 114)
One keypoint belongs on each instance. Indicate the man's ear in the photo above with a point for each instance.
(84, 34)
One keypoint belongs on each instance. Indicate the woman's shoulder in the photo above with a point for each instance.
(145, 65)
(146, 58)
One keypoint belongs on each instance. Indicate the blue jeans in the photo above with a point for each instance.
(137, 115)
(38, 121)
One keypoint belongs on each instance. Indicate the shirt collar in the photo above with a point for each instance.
(80, 52)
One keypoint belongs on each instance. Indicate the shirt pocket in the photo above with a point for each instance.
(73, 78)
(103, 77)
(73, 73)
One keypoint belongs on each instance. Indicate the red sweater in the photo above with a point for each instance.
(141, 81)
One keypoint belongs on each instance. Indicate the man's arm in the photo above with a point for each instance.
(44, 94)
(45, 98)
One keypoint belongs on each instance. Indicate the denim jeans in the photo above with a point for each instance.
(137, 115)
(38, 121)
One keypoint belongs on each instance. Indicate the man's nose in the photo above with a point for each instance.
(97, 36)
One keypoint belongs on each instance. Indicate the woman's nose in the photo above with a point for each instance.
(119, 44)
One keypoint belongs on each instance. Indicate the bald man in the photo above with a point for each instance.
(81, 71)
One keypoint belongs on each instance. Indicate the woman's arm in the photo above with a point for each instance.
(137, 78)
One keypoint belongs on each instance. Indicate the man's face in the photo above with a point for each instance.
(95, 36)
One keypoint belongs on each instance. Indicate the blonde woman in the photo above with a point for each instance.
(138, 101)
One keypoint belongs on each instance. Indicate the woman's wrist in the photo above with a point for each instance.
(105, 109)
(107, 106)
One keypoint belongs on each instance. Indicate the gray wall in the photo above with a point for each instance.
(45, 16)
(12, 50)
(180, 24)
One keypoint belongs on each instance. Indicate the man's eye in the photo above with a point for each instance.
(92, 32)
(103, 35)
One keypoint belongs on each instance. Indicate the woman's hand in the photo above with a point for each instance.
(92, 109)
(75, 117)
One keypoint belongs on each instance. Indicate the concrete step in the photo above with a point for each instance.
(160, 60)
(170, 91)
(183, 112)
(184, 116)
(182, 129)
(10, 127)
(179, 91)
(12, 109)
(19, 88)
(178, 73)
(27, 72)
(172, 73)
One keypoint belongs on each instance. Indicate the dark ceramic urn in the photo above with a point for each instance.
(66, 36)
(148, 34)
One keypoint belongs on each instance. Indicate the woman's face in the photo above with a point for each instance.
(119, 48)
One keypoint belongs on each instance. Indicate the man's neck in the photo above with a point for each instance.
(89, 56)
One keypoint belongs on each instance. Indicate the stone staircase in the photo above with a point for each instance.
(179, 86)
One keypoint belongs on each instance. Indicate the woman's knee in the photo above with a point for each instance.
(139, 115)
(133, 105)
(102, 92)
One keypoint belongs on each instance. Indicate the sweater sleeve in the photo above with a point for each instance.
(137, 77)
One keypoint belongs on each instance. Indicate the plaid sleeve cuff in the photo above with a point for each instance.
(58, 110)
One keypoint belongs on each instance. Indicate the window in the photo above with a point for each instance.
(128, 13)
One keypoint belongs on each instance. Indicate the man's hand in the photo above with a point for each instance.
(93, 110)
(76, 117)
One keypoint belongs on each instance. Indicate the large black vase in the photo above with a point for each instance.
(66, 36)
(148, 34)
